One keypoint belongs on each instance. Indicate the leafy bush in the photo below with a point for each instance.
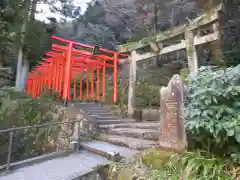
(212, 110)
(198, 165)
(193, 166)
(147, 95)
(50, 94)
(16, 110)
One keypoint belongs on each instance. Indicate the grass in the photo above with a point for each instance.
(156, 164)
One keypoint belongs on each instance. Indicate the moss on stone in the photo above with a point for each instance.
(141, 165)
(156, 158)
(184, 74)
(125, 174)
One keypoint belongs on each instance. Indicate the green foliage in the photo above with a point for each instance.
(50, 94)
(193, 166)
(100, 35)
(9, 15)
(162, 165)
(212, 110)
(16, 110)
(37, 42)
(147, 95)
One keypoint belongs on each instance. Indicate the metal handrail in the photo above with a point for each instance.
(12, 130)
(37, 126)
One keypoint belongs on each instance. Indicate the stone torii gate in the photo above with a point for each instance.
(192, 37)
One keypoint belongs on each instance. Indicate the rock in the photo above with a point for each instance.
(172, 131)
(156, 158)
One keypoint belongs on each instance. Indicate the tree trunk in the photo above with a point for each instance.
(25, 70)
(20, 64)
(18, 83)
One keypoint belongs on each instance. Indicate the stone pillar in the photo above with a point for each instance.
(132, 83)
(191, 52)
(172, 131)
(216, 46)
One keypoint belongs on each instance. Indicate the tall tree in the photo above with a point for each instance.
(28, 17)
(9, 11)
(22, 63)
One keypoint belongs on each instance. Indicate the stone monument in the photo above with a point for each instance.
(172, 131)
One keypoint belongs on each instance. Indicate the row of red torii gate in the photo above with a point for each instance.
(69, 63)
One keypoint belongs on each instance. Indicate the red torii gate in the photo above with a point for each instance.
(65, 63)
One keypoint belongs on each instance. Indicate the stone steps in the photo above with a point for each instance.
(119, 137)
(123, 132)
(132, 143)
(114, 121)
(96, 111)
(101, 113)
(110, 151)
(149, 134)
(100, 117)
(106, 117)
(143, 125)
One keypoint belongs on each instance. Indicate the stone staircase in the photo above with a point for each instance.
(117, 139)
(118, 136)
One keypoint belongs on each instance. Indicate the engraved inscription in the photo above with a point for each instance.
(172, 133)
(171, 118)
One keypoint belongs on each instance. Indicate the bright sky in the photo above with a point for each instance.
(45, 11)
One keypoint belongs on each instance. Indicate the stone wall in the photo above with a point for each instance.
(83, 130)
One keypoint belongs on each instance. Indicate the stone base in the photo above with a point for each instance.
(174, 147)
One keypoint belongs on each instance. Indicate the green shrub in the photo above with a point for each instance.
(212, 111)
(193, 166)
(16, 110)
(147, 95)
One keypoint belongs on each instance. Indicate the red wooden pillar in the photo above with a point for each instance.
(42, 82)
(40, 85)
(80, 86)
(34, 87)
(29, 86)
(115, 79)
(67, 74)
(87, 83)
(49, 76)
(57, 72)
(45, 81)
(92, 88)
(69, 86)
(104, 81)
(53, 72)
(37, 85)
(98, 83)
(75, 87)
(61, 75)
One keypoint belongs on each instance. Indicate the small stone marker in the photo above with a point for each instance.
(172, 131)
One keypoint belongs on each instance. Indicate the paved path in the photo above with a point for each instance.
(62, 168)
